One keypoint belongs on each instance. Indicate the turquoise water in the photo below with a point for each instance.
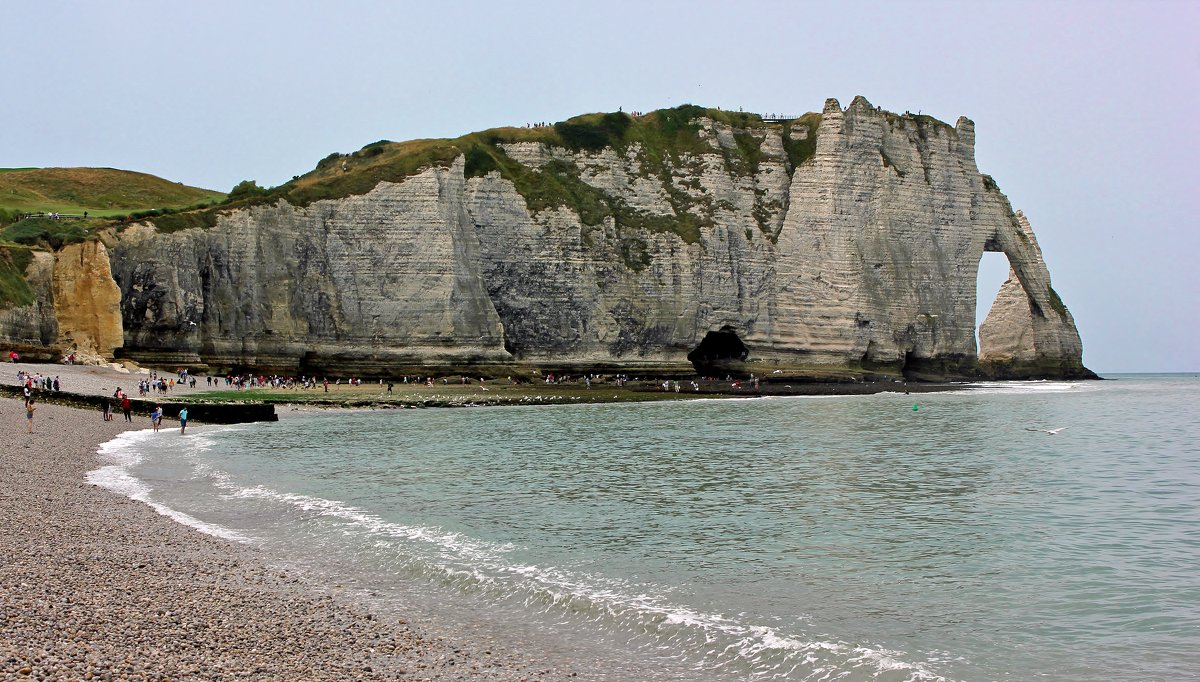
(789, 538)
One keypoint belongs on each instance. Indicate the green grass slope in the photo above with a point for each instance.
(99, 191)
(663, 138)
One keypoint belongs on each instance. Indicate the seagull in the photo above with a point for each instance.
(1052, 432)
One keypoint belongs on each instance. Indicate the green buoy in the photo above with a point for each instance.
(914, 408)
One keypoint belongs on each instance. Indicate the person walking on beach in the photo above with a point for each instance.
(127, 408)
(29, 408)
(182, 421)
(156, 417)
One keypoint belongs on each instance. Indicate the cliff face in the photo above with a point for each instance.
(848, 244)
(365, 282)
(76, 307)
(87, 302)
(32, 329)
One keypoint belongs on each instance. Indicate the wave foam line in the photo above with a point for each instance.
(1021, 387)
(124, 452)
(483, 565)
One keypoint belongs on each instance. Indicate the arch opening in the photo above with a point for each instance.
(993, 271)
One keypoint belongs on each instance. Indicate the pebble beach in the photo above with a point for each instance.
(98, 586)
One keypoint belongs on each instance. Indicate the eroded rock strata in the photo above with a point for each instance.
(846, 241)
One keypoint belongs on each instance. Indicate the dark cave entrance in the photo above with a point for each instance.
(721, 352)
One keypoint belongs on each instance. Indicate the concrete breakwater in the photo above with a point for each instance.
(208, 413)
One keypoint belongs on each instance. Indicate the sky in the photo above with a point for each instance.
(1085, 112)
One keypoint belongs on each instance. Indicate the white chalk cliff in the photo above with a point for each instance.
(849, 240)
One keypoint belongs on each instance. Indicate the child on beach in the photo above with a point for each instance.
(29, 408)
(182, 420)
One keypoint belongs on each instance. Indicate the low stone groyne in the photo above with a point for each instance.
(208, 413)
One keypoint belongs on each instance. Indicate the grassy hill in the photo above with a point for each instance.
(99, 191)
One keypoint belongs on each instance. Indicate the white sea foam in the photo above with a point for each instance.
(717, 641)
(1023, 387)
(125, 451)
(483, 566)
(364, 520)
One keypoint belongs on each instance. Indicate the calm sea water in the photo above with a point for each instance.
(872, 537)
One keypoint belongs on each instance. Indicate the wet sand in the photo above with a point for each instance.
(94, 585)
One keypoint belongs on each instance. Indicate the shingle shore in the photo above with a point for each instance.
(86, 379)
(94, 585)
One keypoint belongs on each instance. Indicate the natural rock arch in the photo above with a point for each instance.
(1028, 331)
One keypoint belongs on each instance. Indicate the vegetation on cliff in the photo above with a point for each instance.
(14, 289)
(96, 191)
(663, 141)
(57, 199)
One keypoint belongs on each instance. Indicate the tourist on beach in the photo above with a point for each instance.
(127, 408)
(107, 410)
(29, 408)
(182, 420)
(156, 417)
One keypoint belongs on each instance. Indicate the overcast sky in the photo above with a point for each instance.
(1086, 112)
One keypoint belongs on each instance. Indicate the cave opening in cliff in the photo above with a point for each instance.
(720, 352)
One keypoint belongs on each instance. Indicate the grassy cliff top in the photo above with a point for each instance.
(659, 136)
(663, 140)
(99, 191)
(662, 133)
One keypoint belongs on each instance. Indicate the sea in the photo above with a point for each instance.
(943, 536)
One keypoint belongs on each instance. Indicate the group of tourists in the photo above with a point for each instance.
(38, 381)
(156, 418)
(122, 399)
(161, 385)
(34, 382)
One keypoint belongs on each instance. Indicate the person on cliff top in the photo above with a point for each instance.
(182, 421)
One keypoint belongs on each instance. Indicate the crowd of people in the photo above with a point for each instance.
(34, 382)
(156, 384)
(42, 382)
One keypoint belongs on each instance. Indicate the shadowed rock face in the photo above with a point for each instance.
(865, 255)
(721, 352)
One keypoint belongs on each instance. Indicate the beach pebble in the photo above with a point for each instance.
(99, 587)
